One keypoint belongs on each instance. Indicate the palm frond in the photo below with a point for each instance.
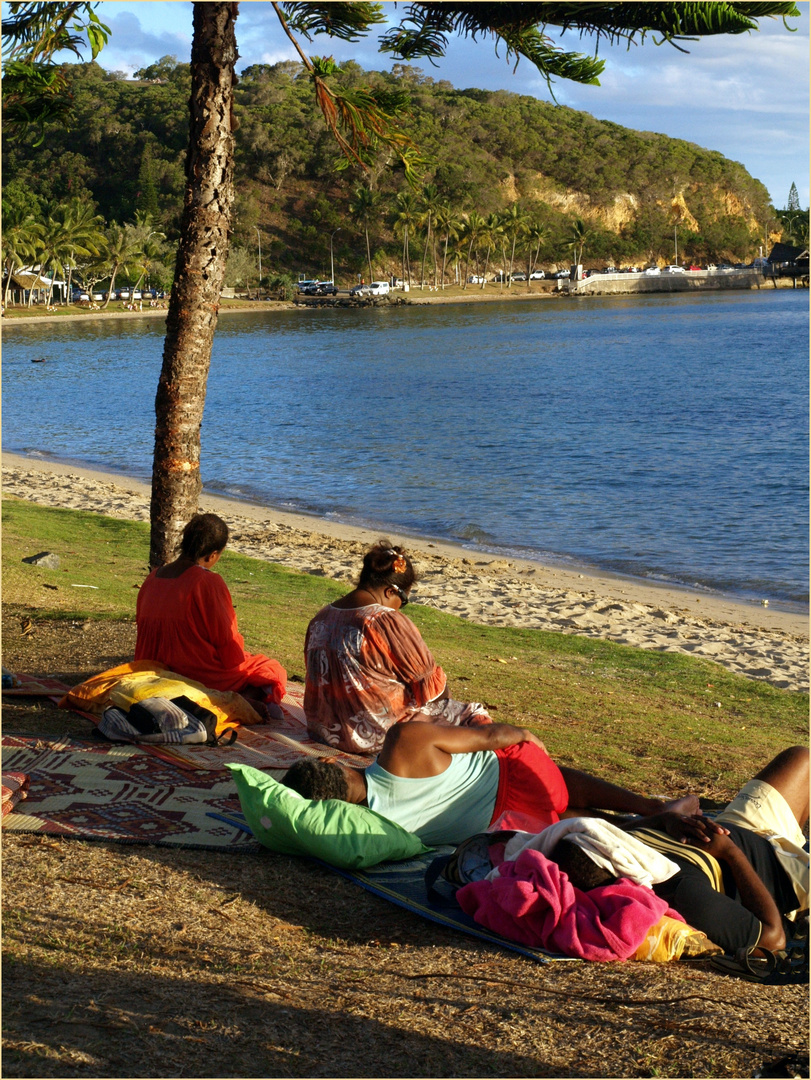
(347, 21)
(36, 31)
(34, 94)
(426, 28)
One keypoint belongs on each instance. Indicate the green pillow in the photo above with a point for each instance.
(342, 834)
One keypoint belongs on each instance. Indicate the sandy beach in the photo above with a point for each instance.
(759, 642)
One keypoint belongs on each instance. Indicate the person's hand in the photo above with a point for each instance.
(530, 736)
(692, 829)
(717, 842)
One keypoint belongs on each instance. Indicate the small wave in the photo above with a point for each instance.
(473, 533)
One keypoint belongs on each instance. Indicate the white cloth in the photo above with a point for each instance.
(618, 852)
(762, 809)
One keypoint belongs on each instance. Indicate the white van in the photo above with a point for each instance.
(379, 288)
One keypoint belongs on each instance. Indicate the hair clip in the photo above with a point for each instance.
(399, 565)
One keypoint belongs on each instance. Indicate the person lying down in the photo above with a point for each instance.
(742, 876)
(447, 783)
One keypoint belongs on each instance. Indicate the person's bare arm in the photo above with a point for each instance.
(755, 897)
(416, 749)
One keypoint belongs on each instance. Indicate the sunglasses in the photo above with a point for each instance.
(403, 597)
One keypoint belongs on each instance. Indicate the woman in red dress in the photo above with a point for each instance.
(186, 621)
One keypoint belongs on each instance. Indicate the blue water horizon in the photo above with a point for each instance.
(663, 438)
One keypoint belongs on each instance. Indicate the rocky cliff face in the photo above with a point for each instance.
(623, 208)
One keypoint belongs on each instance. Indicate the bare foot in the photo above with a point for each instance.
(687, 804)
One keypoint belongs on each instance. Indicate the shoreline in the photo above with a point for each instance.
(760, 642)
(416, 297)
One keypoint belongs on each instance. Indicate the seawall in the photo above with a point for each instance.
(690, 281)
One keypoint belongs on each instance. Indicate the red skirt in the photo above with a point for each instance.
(531, 789)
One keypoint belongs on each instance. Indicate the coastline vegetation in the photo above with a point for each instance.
(512, 183)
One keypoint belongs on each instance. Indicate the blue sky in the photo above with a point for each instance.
(746, 96)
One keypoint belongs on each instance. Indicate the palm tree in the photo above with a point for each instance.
(537, 234)
(22, 234)
(514, 223)
(121, 248)
(430, 204)
(55, 249)
(491, 232)
(473, 225)
(577, 241)
(449, 226)
(406, 216)
(149, 257)
(362, 208)
(83, 233)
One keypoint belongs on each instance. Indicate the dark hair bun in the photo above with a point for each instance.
(387, 564)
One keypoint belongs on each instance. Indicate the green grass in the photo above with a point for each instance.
(642, 717)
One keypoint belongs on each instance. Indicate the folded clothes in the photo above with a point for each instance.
(127, 684)
(613, 849)
(15, 789)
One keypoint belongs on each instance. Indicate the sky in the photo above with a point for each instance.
(745, 95)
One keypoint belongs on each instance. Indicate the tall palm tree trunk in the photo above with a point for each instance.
(199, 274)
(424, 254)
(486, 264)
(368, 253)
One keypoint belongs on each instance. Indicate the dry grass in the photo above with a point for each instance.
(140, 961)
(126, 961)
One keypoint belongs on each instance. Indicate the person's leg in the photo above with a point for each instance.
(590, 793)
(788, 773)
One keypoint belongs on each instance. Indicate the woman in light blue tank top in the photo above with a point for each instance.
(443, 809)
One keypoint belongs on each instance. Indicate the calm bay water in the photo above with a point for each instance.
(660, 436)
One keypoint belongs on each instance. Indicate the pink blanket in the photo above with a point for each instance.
(533, 903)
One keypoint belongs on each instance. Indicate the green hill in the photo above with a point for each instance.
(486, 152)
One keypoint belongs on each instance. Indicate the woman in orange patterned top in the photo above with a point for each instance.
(368, 667)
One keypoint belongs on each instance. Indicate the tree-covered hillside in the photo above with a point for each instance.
(508, 179)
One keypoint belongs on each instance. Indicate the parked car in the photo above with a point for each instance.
(673, 270)
(321, 288)
(518, 277)
(651, 270)
(79, 294)
(98, 296)
(609, 270)
(727, 269)
(537, 275)
(476, 279)
(136, 295)
(305, 284)
(562, 274)
(122, 294)
(374, 288)
(693, 268)
(710, 266)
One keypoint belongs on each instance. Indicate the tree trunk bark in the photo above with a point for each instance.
(199, 275)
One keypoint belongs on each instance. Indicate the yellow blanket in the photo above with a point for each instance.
(127, 684)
